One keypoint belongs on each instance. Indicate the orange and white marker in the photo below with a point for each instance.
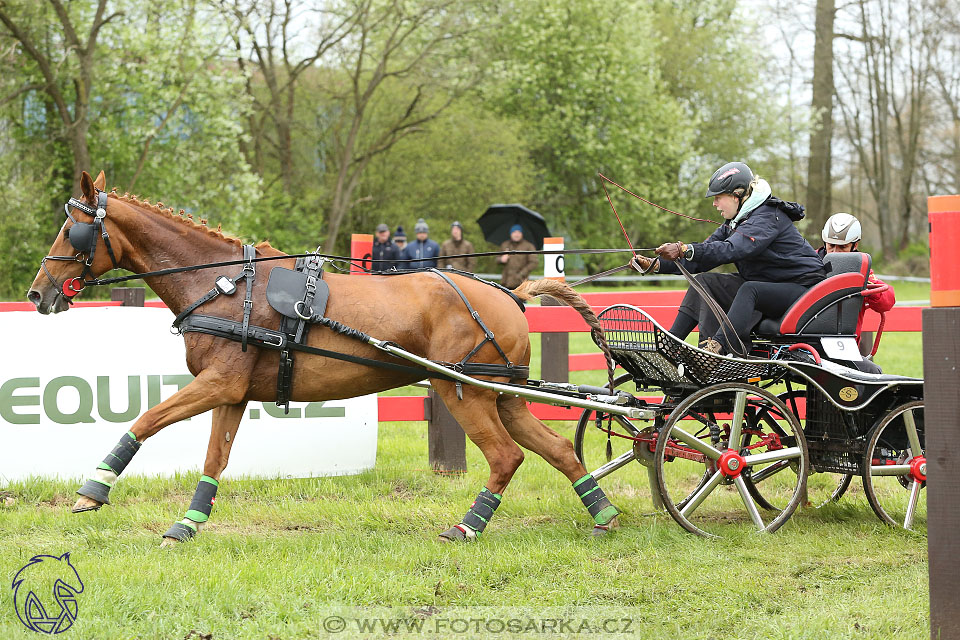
(553, 266)
(361, 250)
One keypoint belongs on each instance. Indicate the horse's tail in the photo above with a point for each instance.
(565, 294)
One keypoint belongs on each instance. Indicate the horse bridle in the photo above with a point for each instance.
(83, 238)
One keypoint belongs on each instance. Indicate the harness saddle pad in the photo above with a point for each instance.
(286, 288)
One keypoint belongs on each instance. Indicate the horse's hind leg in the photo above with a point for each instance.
(226, 420)
(208, 390)
(530, 433)
(477, 415)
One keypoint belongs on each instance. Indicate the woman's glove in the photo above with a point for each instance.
(675, 251)
(645, 265)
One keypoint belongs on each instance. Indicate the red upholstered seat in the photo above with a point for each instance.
(831, 307)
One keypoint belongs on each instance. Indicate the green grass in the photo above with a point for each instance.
(280, 555)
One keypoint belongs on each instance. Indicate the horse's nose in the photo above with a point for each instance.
(35, 297)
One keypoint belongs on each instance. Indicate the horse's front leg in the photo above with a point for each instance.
(208, 390)
(226, 420)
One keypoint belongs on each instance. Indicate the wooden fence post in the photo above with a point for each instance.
(446, 441)
(941, 389)
(554, 347)
(129, 296)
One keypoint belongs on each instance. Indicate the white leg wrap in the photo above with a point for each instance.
(105, 476)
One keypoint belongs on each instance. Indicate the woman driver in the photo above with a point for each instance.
(775, 264)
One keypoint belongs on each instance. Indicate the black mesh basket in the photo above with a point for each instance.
(657, 358)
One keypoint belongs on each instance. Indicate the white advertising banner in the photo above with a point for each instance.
(71, 384)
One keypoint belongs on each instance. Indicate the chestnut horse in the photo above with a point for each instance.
(418, 311)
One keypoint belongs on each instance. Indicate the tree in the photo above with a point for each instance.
(418, 49)
(886, 107)
(161, 115)
(268, 40)
(467, 160)
(583, 79)
(64, 64)
(819, 172)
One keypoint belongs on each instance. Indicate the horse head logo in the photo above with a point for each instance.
(45, 594)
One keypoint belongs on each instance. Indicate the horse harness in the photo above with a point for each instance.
(300, 296)
(83, 239)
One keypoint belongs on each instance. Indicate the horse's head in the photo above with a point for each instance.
(82, 249)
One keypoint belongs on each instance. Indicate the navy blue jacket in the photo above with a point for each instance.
(765, 246)
(385, 255)
(424, 255)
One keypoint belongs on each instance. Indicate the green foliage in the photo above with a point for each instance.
(542, 95)
(466, 160)
(584, 80)
(167, 103)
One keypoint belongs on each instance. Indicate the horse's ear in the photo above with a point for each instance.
(101, 182)
(86, 186)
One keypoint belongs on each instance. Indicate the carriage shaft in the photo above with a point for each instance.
(529, 394)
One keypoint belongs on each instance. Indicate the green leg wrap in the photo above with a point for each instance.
(98, 487)
(476, 519)
(198, 513)
(203, 499)
(595, 500)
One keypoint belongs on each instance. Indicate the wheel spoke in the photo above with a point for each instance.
(736, 422)
(620, 461)
(701, 495)
(748, 503)
(787, 453)
(912, 435)
(890, 470)
(627, 426)
(912, 504)
(767, 472)
(695, 443)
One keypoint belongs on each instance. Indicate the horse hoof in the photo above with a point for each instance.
(604, 529)
(85, 504)
(169, 542)
(458, 533)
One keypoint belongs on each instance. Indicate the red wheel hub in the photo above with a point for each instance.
(731, 463)
(918, 469)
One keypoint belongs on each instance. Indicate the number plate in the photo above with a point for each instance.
(841, 348)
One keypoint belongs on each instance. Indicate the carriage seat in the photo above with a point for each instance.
(827, 308)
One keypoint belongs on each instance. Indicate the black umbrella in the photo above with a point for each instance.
(498, 218)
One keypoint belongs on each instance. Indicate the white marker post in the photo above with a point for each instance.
(553, 263)
(554, 347)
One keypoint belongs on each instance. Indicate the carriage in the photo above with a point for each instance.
(727, 440)
(752, 438)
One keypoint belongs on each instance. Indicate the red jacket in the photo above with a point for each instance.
(880, 302)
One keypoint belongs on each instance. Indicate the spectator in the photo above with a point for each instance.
(517, 268)
(455, 245)
(385, 253)
(423, 251)
(400, 240)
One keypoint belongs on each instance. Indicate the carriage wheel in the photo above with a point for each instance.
(822, 488)
(603, 454)
(895, 468)
(696, 436)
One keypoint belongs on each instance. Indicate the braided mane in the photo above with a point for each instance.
(183, 218)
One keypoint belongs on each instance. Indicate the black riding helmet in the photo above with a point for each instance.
(733, 178)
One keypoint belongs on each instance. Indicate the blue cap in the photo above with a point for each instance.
(515, 227)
